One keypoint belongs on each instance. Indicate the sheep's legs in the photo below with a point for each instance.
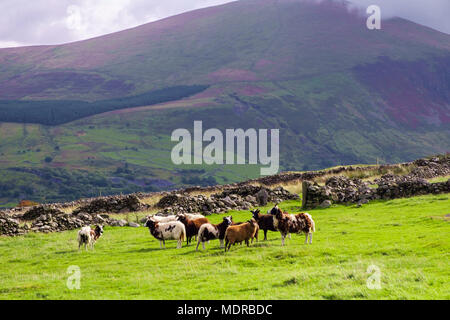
(265, 235)
(221, 243)
(198, 243)
(282, 239)
(179, 244)
(227, 245)
(310, 238)
(306, 238)
(289, 235)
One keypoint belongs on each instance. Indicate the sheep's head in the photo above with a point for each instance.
(255, 213)
(181, 217)
(275, 211)
(150, 224)
(99, 230)
(228, 220)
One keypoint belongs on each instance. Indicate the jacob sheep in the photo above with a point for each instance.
(191, 216)
(172, 230)
(238, 224)
(210, 231)
(88, 237)
(242, 232)
(265, 221)
(192, 226)
(290, 223)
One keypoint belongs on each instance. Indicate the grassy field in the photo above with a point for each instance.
(407, 240)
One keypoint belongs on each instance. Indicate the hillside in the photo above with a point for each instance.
(340, 94)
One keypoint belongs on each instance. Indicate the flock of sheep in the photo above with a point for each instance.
(182, 227)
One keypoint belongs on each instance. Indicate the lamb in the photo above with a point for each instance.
(242, 232)
(210, 231)
(265, 221)
(192, 226)
(88, 237)
(172, 230)
(289, 223)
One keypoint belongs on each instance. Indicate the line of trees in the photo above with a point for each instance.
(57, 112)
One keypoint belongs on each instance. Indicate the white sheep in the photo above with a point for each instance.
(172, 230)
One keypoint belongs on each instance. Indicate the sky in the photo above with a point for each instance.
(37, 22)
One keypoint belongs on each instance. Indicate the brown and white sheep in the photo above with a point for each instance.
(290, 223)
(89, 237)
(265, 221)
(192, 226)
(210, 231)
(172, 230)
(242, 232)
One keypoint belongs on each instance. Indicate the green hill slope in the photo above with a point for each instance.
(338, 92)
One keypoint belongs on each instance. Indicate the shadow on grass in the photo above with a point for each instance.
(68, 251)
(143, 250)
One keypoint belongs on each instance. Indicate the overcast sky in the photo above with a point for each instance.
(26, 22)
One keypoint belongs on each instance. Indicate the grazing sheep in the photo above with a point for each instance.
(88, 237)
(172, 230)
(265, 221)
(192, 226)
(210, 231)
(290, 223)
(242, 232)
(237, 224)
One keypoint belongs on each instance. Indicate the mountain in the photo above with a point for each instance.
(338, 92)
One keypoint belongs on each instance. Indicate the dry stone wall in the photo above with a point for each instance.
(343, 190)
(236, 198)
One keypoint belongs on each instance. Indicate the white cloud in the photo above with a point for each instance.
(88, 19)
(10, 44)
